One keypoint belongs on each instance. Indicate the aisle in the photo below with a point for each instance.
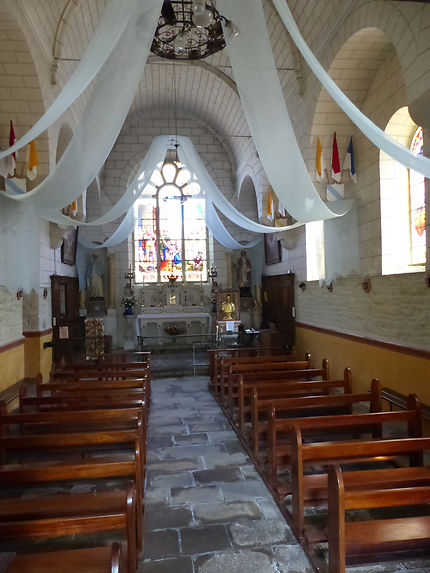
(207, 510)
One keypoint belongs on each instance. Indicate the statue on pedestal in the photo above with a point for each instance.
(243, 270)
(95, 277)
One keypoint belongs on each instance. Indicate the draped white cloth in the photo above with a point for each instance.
(376, 135)
(263, 101)
(103, 117)
(112, 24)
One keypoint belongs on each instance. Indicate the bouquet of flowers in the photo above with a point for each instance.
(129, 301)
(212, 299)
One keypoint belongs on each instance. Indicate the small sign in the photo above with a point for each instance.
(63, 332)
(229, 325)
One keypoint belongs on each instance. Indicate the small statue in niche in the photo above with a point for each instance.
(228, 308)
(95, 277)
(243, 270)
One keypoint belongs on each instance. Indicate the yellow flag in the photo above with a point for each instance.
(319, 163)
(32, 161)
(270, 214)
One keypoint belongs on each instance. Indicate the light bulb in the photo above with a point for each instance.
(231, 30)
(180, 42)
(203, 20)
(198, 6)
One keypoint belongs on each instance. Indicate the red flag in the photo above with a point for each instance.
(12, 157)
(336, 171)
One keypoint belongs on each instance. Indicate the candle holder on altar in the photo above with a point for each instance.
(212, 274)
(130, 275)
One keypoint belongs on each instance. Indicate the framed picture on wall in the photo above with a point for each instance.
(272, 249)
(68, 246)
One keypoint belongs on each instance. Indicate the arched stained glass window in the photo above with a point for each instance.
(170, 236)
(417, 213)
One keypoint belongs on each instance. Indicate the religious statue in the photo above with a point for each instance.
(227, 308)
(95, 277)
(243, 270)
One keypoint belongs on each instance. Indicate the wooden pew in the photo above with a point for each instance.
(92, 560)
(312, 488)
(281, 371)
(46, 518)
(215, 356)
(255, 399)
(371, 538)
(238, 361)
(77, 421)
(80, 401)
(91, 470)
(280, 431)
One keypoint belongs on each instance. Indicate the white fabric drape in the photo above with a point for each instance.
(112, 24)
(188, 155)
(103, 116)
(220, 233)
(267, 115)
(376, 135)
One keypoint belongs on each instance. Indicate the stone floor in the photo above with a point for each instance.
(207, 509)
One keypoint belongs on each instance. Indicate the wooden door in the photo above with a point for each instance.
(66, 336)
(278, 305)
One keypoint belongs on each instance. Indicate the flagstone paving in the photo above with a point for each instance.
(206, 508)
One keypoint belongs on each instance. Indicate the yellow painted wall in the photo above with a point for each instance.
(397, 370)
(11, 366)
(37, 358)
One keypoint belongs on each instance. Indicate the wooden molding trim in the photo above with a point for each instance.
(11, 345)
(37, 333)
(425, 354)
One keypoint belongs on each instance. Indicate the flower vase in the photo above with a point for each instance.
(128, 311)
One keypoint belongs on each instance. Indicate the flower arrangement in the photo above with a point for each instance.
(212, 299)
(129, 301)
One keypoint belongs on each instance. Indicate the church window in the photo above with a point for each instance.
(403, 235)
(417, 223)
(170, 236)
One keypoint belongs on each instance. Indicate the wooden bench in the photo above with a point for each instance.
(85, 400)
(401, 401)
(312, 489)
(46, 518)
(371, 538)
(255, 399)
(216, 355)
(91, 560)
(113, 467)
(238, 361)
(280, 431)
(277, 372)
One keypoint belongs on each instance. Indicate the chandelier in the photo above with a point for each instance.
(190, 30)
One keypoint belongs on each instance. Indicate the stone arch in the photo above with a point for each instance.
(21, 98)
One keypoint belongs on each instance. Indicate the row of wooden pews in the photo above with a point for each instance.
(83, 434)
(323, 449)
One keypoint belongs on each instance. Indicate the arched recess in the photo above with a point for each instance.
(395, 202)
(248, 199)
(21, 98)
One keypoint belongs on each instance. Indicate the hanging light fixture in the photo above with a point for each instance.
(190, 30)
(171, 178)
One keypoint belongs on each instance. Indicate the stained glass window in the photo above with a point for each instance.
(417, 222)
(170, 232)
